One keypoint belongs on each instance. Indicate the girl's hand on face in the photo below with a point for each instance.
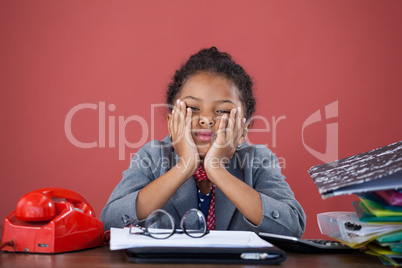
(229, 135)
(180, 132)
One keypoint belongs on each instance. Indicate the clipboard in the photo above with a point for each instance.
(206, 255)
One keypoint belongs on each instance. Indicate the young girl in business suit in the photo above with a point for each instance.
(205, 162)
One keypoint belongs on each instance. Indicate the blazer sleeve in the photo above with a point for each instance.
(121, 205)
(282, 213)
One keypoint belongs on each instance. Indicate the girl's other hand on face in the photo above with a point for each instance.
(229, 135)
(179, 127)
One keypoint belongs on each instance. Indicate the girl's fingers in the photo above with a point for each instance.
(183, 114)
(221, 128)
(184, 118)
(176, 115)
(230, 129)
(188, 119)
(187, 129)
(237, 127)
(180, 116)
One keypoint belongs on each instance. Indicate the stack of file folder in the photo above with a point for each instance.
(375, 225)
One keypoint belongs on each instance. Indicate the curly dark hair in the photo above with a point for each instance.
(214, 61)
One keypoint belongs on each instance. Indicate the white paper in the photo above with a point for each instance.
(333, 225)
(122, 239)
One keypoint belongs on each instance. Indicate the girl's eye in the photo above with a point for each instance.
(193, 108)
(223, 112)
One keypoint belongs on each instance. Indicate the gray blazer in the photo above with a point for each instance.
(255, 165)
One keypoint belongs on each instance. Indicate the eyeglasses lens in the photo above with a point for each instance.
(194, 224)
(159, 224)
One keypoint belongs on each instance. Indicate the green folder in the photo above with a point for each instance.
(365, 215)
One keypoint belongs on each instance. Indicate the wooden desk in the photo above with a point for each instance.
(103, 257)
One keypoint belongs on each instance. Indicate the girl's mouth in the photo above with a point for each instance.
(204, 135)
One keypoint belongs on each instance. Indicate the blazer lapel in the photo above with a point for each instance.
(185, 197)
(224, 208)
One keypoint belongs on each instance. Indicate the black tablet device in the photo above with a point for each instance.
(289, 243)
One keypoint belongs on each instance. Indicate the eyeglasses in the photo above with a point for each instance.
(160, 224)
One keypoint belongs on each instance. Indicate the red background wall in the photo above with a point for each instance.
(303, 55)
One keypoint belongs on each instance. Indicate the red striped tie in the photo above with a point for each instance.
(201, 175)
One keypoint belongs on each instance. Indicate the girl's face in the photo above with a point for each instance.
(210, 96)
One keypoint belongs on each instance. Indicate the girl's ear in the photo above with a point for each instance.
(168, 117)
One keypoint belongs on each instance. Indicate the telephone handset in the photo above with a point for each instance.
(52, 220)
(45, 204)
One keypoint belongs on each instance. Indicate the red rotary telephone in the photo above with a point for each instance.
(52, 220)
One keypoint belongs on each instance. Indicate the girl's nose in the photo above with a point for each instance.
(205, 122)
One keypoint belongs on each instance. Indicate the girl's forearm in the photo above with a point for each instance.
(246, 199)
(156, 194)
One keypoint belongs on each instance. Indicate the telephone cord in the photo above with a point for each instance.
(9, 243)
